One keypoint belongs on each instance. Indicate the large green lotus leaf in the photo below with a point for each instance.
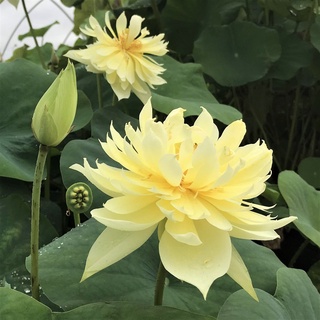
(304, 202)
(295, 298)
(298, 10)
(297, 293)
(309, 170)
(15, 232)
(125, 311)
(314, 274)
(295, 55)
(238, 53)
(133, 278)
(22, 83)
(186, 88)
(183, 21)
(15, 305)
(239, 307)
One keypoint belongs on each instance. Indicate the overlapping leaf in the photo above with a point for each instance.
(304, 202)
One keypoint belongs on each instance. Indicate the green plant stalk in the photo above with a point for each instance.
(47, 181)
(298, 253)
(248, 10)
(76, 219)
(33, 35)
(114, 99)
(293, 124)
(161, 277)
(99, 91)
(35, 218)
(156, 14)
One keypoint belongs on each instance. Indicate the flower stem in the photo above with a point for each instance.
(298, 253)
(35, 218)
(100, 103)
(293, 124)
(76, 219)
(114, 100)
(33, 35)
(161, 277)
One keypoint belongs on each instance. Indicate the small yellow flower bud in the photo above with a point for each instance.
(54, 114)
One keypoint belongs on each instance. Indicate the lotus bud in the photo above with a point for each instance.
(54, 114)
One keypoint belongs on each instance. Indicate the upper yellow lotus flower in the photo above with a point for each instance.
(191, 184)
(122, 58)
(54, 114)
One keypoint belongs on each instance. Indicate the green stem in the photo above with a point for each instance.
(114, 100)
(248, 10)
(76, 219)
(298, 253)
(156, 14)
(33, 35)
(35, 218)
(161, 277)
(100, 103)
(47, 181)
(293, 124)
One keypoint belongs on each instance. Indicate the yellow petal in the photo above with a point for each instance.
(183, 231)
(96, 178)
(145, 115)
(170, 169)
(121, 24)
(111, 246)
(232, 135)
(189, 204)
(205, 166)
(198, 265)
(239, 233)
(152, 150)
(239, 273)
(205, 123)
(254, 226)
(129, 203)
(169, 211)
(135, 221)
(107, 21)
(134, 27)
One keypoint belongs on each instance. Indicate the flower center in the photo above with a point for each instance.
(133, 46)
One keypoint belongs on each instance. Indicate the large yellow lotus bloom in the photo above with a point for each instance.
(122, 58)
(189, 183)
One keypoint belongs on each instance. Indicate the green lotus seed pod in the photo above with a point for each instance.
(79, 197)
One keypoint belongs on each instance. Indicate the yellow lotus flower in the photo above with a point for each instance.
(122, 58)
(191, 184)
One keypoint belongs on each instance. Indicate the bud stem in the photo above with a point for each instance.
(99, 90)
(161, 277)
(35, 218)
(76, 219)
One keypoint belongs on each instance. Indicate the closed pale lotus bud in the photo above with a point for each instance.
(54, 114)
